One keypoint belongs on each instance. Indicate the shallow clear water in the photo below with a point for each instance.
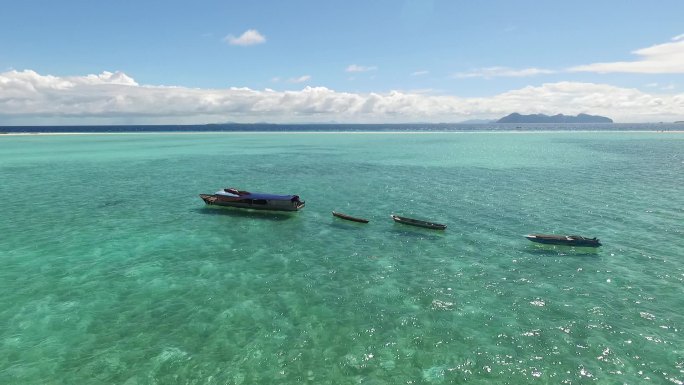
(115, 272)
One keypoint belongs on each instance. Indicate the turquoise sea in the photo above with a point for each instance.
(113, 271)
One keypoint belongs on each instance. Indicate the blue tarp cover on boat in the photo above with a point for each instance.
(272, 197)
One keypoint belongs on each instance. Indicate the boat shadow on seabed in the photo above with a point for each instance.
(417, 234)
(243, 213)
(348, 225)
(561, 250)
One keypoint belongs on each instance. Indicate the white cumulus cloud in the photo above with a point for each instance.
(27, 97)
(249, 37)
(666, 58)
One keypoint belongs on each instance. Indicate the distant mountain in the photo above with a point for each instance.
(560, 118)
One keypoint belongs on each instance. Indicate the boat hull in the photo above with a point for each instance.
(349, 217)
(418, 223)
(564, 240)
(254, 204)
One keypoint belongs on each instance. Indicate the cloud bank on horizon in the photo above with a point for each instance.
(27, 97)
(116, 98)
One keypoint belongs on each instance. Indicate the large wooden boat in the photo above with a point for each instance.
(349, 217)
(418, 222)
(568, 240)
(231, 197)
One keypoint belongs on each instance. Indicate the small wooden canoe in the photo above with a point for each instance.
(567, 240)
(349, 217)
(418, 222)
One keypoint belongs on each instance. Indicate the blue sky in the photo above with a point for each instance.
(86, 62)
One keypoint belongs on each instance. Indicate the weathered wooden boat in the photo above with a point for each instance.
(418, 222)
(231, 197)
(567, 240)
(349, 217)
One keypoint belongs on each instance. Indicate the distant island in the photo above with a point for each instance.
(560, 118)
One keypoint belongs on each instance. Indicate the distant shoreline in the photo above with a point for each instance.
(413, 128)
(338, 132)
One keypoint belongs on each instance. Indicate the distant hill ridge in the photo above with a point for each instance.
(560, 118)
